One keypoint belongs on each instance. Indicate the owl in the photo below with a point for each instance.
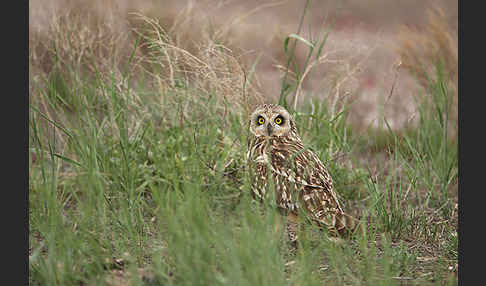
(277, 159)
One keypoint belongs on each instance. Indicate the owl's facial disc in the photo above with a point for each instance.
(274, 126)
(270, 121)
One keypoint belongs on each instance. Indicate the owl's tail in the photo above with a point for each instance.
(344, 223)
(339, 223)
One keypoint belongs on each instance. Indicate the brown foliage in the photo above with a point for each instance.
(421, 49)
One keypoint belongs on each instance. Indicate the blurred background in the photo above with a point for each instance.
(376, 56)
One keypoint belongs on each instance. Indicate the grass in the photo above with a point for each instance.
(137, 177)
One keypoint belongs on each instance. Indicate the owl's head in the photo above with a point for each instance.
(271, 120)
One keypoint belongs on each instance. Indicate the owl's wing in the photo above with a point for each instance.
(314, 187)
(306, 171)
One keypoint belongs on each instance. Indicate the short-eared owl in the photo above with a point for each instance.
(301, 181)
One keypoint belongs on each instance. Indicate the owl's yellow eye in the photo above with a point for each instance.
(279, 120)
(260, 120)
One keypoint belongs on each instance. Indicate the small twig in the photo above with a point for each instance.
(304, 75)
(408, 190)
(245, 94)
(402, 278)
(397, 67)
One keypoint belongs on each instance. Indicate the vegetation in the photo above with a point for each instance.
(137, 169)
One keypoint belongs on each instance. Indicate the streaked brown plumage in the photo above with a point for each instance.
(300, 179)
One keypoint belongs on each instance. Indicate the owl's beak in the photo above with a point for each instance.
(269, 129)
